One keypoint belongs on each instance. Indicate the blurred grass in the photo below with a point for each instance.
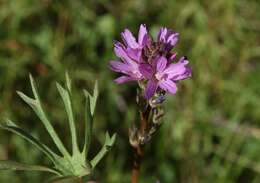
(212, 126)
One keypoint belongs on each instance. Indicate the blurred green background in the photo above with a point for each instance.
(211, 130)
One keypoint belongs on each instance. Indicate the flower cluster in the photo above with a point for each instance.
(150, 61)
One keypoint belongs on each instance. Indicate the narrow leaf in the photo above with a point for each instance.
(30, 101)
(68, 107)
(88, 125)
(11, 165)
(12, 127)
(109, 142)
(35, 93)
(36, 106)
(93, 98)
(68, 82)
(90, 109)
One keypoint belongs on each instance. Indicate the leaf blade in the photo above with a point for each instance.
(93, 98)
(12, 127)
(68, 82)
(68, 107)
(12, 165)
(88, 124)
(35, 104)
(109, 142)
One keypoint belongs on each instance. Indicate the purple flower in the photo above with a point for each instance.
(134, 47)
(130, 40)
(164, 76)
(128, 67)
(130, 53)
(168, 38)
(150, 61)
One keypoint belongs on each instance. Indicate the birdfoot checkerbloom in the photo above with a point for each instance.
(149, 61)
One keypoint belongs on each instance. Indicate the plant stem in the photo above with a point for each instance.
(138, 155)
(139, 149)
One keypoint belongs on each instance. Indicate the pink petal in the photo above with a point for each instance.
(150, 89)
(120, 52)
(120, 67)
(176, 69)
(146, 70)
(134, 54)
(123, 79)
(129, 39)
(168, 86)
(173, 39)
(162, 34)
(183, 76)
(161, 63)
(142, 34)
(172, 57)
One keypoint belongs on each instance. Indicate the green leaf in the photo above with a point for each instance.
(68, 81)
(12, 127)
(88, 125)
(93, 99)
(90, 109)
(35, 93)
(109, 142)
(36, 106)
(11, 165)
(30, 101)
(68, 107)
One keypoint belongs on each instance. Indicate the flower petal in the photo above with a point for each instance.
(185, 75)
(120, 67)
(135, 54)
(168, 37)
(150, 89)
(161, 64)
(173, 39)
(129, 39)
(142, 34)
(121, 52)
(176, 69)
(161, 35)
(172, 57)
(146, 70)
(168, 86)
(123, 79)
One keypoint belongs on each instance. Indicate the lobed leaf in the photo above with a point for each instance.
(30, 101)
(93, 98)
(109, 142)
(36, 106)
